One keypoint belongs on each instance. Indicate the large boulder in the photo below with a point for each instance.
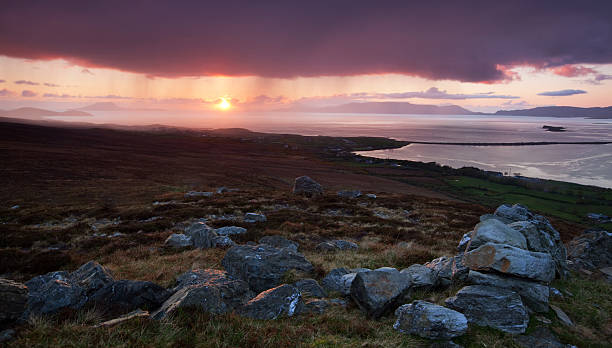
(91, 277)
(421, 276)
(341, 279)
(534, 295)
(202, 236)
(13, 300)
(305, 186)
(592, 250)
(429, 320)
(310, 287)
(511, 260)
(495, 231)
(128, 295)
(282, 301)
(379, 292)
(490, 306)
(279, 242)
(448, 270)
(263, 266)
(209, 290)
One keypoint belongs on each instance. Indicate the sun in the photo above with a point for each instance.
(224, 104)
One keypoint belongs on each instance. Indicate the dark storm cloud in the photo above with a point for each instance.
(562, 93)
(458, 40)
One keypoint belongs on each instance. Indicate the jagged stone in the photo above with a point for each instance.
(448, 270)
(223, 242)
(281, 301)
(494, 231)
(13, 301)
(201, 235)
(490, 306)
(591, 250)
(230, 230)
(534, 295)
(178, 240)
(562, 316)
(305, 186)
(333, 280)
(254, 217)
(379, 292)
(429, 320)
(279, 242)
(315, 306)
(91, 277)
(344, 244)
(310, 287)
(128, 295)
(421, 276)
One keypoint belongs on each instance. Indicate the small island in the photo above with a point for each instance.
(554, 128)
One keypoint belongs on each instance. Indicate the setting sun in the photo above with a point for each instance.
(224, 104)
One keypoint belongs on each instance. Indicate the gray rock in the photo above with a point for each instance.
(13, 300)
(254, 217)
(282, 301)
(305, 186)
(494, 231)
(230, 230)
(377, 293)
(333, 280)
(448, 270)
(201, 235)
(263, 266)
(192, 194)
(430, 321)
(91, 277)
(515, 212)
(128, 295)
(562, 316)
(387, 269)
(209, 290)
(534, 295)
(344, 244)
(464, 242)
(349, 194)
(325, 247)
(178, 240)
(315, 306)
(279, 242)
(223, 242)
(541, 337)
(591, 250)
(371, 195)
(510, 260)
(310, 287)
(421, 277)
(490, 306)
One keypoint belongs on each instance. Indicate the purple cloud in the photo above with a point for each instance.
(6, 93)
(2, 81)
(25, 82)
(435, 93)
(468, 40)
(562, 93)
(53, 95)
(51, 84)
(28, 93)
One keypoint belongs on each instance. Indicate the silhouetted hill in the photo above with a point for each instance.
(36, 113)
(392, 108)
(103, 106)
(561, 111)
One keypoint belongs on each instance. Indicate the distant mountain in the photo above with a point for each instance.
(36, 113)
(103, 106)
(561, 111)
(392, 108)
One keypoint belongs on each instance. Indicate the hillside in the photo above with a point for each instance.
(562, 111)
(392, 108)
(36, 113)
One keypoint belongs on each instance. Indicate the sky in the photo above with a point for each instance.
(482, 55)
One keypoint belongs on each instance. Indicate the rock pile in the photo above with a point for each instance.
(198, 234)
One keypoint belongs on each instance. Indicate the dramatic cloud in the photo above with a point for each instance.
(472, 40)
(6, 93)
(435, 93)
(573, 70)
(562, 93)
(28, 93)
(25, 82)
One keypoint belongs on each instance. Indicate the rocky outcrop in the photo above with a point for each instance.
(201, 235)
(591, 250)
(263, 266)
(13, 300)
(495, 231)
(379, 292)
(128, 295)
(511, 260)
(429, 320)
(282, 301)
(310, 287)
(533, 294)
(209, 290)
(421, 277)
(279, 242)
(448, 270)
(305, 186)
(491, 306)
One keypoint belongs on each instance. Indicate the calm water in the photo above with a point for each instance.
(584, 164)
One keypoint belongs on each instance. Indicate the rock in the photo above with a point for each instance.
(13, 300)
(281, 301)
(305, 186)
(223, 242)
(230, 230)
(315, 306)
(338, 302)
(177, 240)
(7, 335)
(534, 295)
(54, 295)
(279, 242)
(349, 194)
(310, 287)
(333, 280)
(555, 293)
(516, 212)
(464, 242)
(445, 344)
(201, 235)
(192, 194)
(139, 313)
(448, 270)
(541, 337)
(591, 250)
(562, 316)
(263, 266)
(209, 290)
(344, 244)
(387, 269)
(254, 217)
(325, 247)
(510, 260)
(378, 292)
(494, 231)
(91, 277)
(128, 295)
(430, 321)
(421, 277)
(490, 306)
(371, 195)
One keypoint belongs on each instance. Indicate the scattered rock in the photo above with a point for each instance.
(555, 293)
(490, 306)
(333, 280)
(562, 316)
(429, 320)
(494, 231)
(310, 287)
(599, 218)
(201, 235)
(378, 292)
(371, 195)
(128, 295)
(279, 242)
(511, 260)
(541, 337)
(223, 242)
(263, 266)
(139, 313)
(448, 270)
(315, 306)
(591, 250)
(254, 217)
(230, 230)
(91, 277)
(178, 240)
(534, 295)
(349, 194)
(305, 186)
(192, 194)
(325, 247)
(420, 276)
(13, 300)
(344, 244)
(281, 301)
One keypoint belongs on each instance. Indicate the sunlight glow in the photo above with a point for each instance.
(224, 104)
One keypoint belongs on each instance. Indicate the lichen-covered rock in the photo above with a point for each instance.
(254, 217)
(333, 280)
(591, 250)
(230, 230)
(515, 212)
(91, 277)
(429, 320)
(128, 295)
(379, 292)
(201, 235)
(490, 306)
(282, 301)
(448, 270)
(305, 186)
(494, 231)
(534, 295)
(310, 287)
(223, 242)
(178, 240)
(13, 300)
(263, 266)
(421, 276)
(344, 244)
(315, 306)
(510, 260)
(279, 242)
